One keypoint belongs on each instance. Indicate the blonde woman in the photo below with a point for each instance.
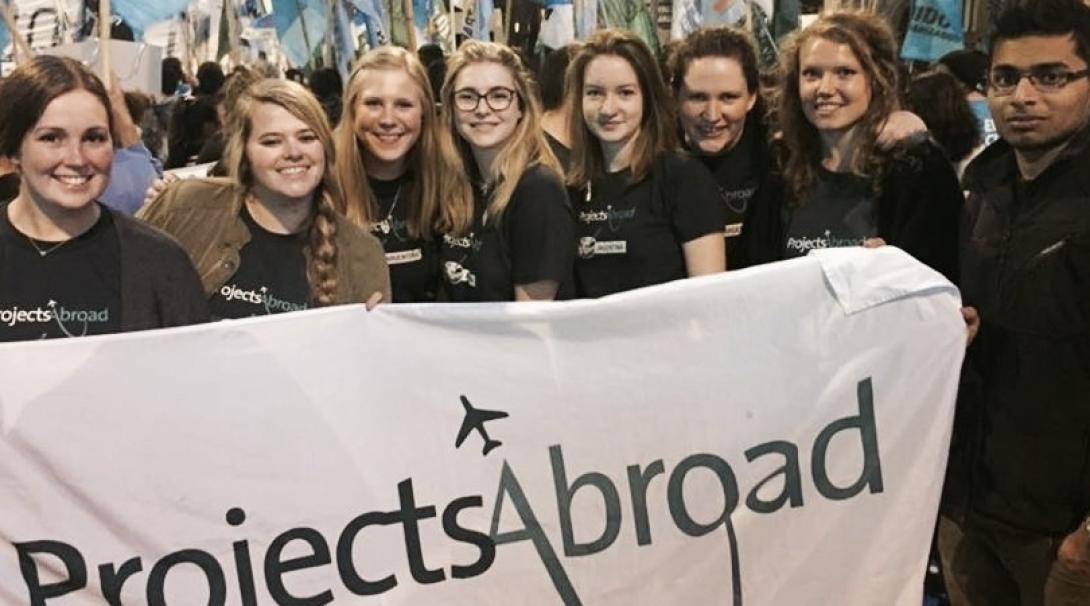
(269, 238)
(395, 164)
(513, 240)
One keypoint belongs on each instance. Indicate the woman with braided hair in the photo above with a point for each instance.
(269, 239)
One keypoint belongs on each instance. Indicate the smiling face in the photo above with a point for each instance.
(1031, 119)
(612, 100)
(285, 154)
(388, 119)
(65, 158)
(834, 91)
(485, 128)
(713, 102)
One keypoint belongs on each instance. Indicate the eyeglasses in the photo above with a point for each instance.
(497, 99)
(1003, 80)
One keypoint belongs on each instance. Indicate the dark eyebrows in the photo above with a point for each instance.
(1036, 66)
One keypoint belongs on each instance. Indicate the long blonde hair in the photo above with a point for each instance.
(433, 162)
(300, 103)
(526, 148)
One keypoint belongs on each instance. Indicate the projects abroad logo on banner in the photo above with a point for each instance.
(619, 491)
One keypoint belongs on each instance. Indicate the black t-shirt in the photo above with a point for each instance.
(535, 242)
(72, 290)
(413, 263)
(738, 176)
(9, 187)
(561, 151)
(839, 212)
(630, 234)
(271, 276)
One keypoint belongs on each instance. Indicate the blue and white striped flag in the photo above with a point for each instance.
(558, 28)
(343, 40)
(301, 27)
(378, 21)
(5, 37)
(586, 18)
(686, 18)
(934, 29)
(140, 14)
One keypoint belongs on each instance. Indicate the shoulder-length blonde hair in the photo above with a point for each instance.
(526, 148)
(300, 103)
(431, 160)
(871, 41)
(657, 135)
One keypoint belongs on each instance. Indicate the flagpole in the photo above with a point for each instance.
(507, 21)
(104, 40)
(21, 47)
(410, 26)
(453, 27)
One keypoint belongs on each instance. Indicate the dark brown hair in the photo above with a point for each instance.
(28, 90)
(729, 42)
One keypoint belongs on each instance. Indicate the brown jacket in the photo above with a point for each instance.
(204, 215)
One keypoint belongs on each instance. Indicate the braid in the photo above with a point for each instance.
(323, 252)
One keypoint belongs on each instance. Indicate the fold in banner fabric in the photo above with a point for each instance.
(773, 436)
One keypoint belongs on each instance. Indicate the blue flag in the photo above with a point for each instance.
(139, 14)
(934, 29)
(5, 38)
(378, 21)
(301, 26)
(343, 41)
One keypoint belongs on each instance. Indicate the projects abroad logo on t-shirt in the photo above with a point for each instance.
(70, 322)
(262, 297)
(804, 244)
(544, 490)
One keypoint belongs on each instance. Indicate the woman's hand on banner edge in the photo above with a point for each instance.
(972, 323)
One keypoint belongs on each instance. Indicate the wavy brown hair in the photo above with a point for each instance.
(871, 41)
(525, 149)
(432, 159)
(657, 135)
(321, 247)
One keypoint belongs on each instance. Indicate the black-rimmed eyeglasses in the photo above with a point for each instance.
(1003, 80)
(497, 98)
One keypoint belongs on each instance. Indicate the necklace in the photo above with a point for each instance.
(385, 225)
(45, 251)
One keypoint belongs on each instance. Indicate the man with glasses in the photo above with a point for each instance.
(1015, 519)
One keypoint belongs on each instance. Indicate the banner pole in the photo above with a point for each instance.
(104, 40)
(21, 47)
(410, 27)
(453, 28)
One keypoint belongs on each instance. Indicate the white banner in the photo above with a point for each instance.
(776, 436)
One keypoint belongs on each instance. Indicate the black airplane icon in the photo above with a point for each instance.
(475, 419)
